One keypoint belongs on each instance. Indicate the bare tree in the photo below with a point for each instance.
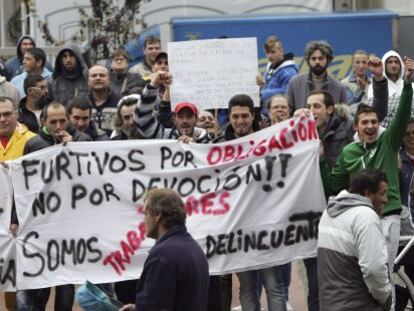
(108, 27)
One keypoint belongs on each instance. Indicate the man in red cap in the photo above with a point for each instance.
(184, 116)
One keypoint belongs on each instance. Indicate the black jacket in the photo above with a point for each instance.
(43, 140)
(64, 85)
(96, 134)
(27, 117)
(229, 132)
(175, 275)
(126, 83)
(339, 132)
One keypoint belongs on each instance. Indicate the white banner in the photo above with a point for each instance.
(252, 202)
(209, 72)
(7, 242)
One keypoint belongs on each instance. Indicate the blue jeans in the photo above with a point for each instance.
(273, 284)
(311, 266)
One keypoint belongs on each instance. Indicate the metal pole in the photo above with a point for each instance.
(23, 18)
(3, 25)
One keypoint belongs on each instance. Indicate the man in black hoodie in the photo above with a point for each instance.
(70, 78)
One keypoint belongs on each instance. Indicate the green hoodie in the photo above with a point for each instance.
(381, 154)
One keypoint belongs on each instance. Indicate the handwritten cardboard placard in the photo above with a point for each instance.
(210, 72)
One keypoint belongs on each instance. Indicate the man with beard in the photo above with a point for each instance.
(175, 275)
(79, 112)
(318, 55)
(70, 78)
(103, 100)
(30, 107)
(123, 122)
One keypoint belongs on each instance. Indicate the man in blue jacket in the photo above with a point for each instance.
(175, 275)
(280, 70)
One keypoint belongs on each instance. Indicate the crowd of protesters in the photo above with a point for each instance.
(363, 121)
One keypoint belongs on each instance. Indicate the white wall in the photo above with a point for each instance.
(403, 7)
(63, 16)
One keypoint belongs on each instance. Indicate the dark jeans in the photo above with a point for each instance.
(286, 271)
(311, 266)
(401, 294)
(126, 291)
(36, 299)
(226, 283)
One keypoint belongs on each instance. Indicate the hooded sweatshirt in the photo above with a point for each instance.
(393, 87)
(65, 85)
(352, 256)
(14, 65)
(382, 154)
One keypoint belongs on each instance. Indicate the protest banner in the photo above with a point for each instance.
(252, 202)
(209, 72)
(7, 243)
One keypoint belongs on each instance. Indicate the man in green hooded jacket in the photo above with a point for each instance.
(376, 147)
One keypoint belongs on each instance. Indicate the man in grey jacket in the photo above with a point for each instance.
(318, 55)
(352, 254)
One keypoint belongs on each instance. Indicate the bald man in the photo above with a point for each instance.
(103, 100)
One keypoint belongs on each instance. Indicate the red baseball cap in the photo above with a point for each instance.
(188, 105)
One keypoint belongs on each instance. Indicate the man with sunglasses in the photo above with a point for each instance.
(30, 106)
